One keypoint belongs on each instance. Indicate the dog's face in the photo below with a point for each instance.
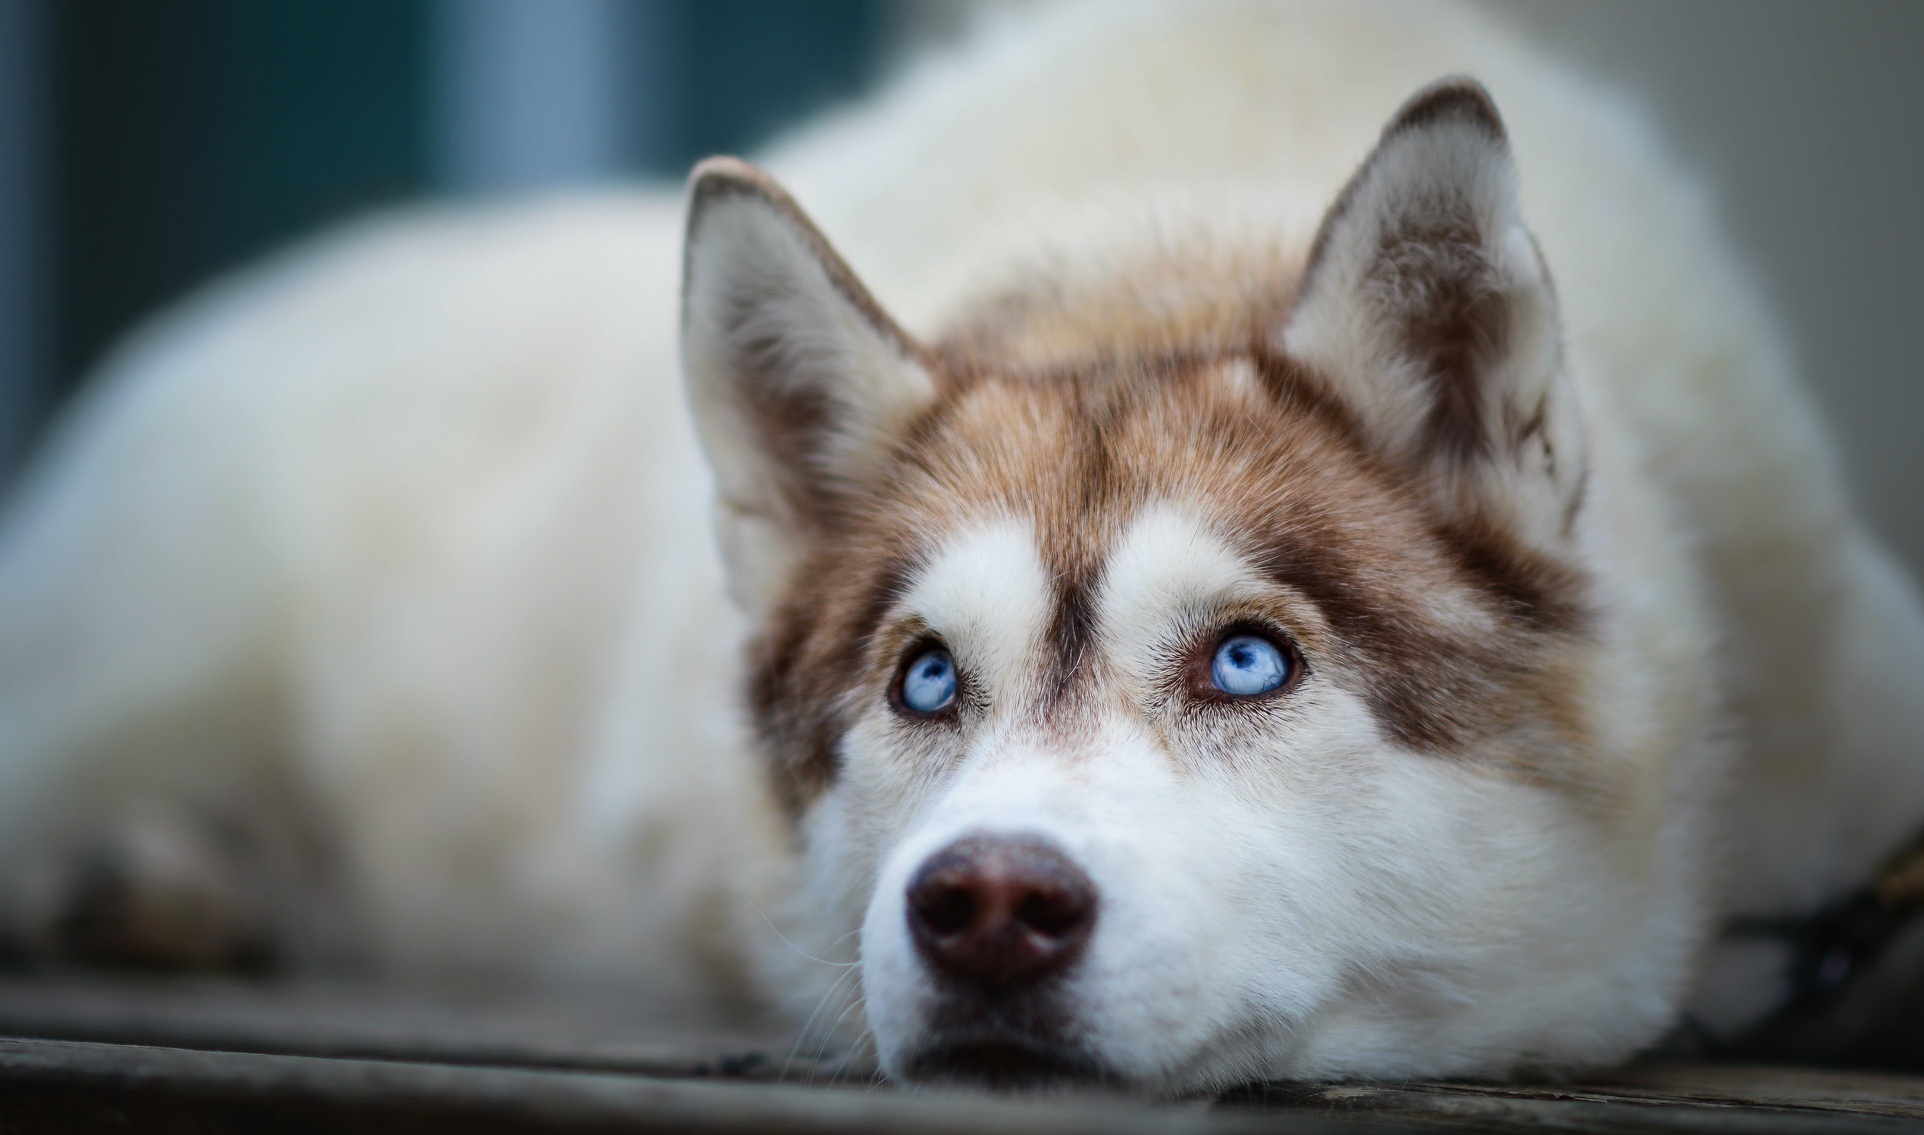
(1207, 699)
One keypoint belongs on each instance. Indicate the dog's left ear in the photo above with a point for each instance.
(798, 381)
(1426, 303)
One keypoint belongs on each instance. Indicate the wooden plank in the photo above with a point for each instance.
(382, 1022)
(1867, 1093)
(65, 1086)
(1626, 1108)
(197, 1053)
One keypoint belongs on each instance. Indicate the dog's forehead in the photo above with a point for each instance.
(1079, 453)
(1089, 443)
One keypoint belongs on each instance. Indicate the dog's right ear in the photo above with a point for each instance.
(1428, 307)
(798, 381)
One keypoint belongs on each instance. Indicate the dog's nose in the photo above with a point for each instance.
(999, 911)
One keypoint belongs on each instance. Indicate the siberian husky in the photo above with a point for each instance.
(1210, 586)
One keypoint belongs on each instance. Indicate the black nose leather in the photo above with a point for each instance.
(1000, 911)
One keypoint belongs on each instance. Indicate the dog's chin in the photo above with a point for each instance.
(1005, 1064)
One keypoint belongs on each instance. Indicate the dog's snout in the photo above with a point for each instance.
(1000, 912)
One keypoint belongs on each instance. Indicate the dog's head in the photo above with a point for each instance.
(1203, 683)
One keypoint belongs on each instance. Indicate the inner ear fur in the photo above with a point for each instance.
(1426, 304)
(798, 380)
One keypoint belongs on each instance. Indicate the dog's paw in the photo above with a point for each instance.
(153, 890)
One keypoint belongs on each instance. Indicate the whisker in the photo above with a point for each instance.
(809, 1024)
(821, 1048)
(777, 931)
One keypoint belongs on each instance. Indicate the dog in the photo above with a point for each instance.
(1249, 542)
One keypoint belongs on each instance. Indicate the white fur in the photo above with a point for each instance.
(987, 594)
(400, 545)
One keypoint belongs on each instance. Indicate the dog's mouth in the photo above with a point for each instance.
(1005, 1063)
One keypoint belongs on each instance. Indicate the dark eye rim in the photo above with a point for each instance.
(912, 654)
(1202, 661)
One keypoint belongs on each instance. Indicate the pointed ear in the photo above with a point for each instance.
(798, 381)
(1426, 303)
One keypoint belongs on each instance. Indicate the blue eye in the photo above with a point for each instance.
(928, 685)
(1247, 665)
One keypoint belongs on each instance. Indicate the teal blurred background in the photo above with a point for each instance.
(146, 145)
(167, 140)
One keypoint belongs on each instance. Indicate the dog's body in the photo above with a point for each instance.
(396, 557)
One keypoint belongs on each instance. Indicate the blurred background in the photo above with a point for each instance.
(146, 145)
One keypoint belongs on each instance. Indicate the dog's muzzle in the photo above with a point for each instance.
(996, 922)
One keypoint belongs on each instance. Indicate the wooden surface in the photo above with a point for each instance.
(80, 1054)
